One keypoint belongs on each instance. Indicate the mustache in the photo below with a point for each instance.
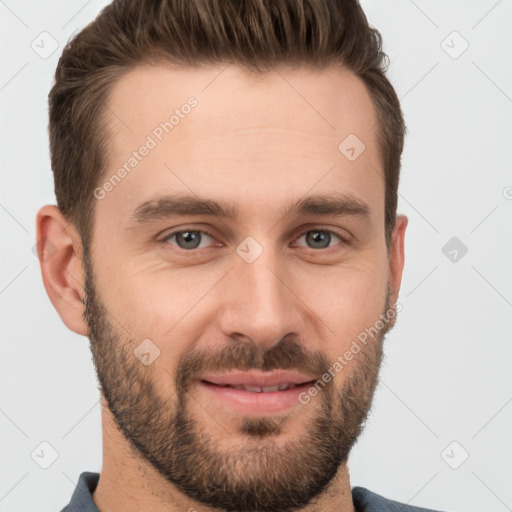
(288, 354)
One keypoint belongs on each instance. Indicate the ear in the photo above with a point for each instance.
(59, 249)
(397, 256)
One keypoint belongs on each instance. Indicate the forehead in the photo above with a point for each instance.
(218, 131)
(331, 100)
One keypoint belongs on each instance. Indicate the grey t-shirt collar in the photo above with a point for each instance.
(364, 500)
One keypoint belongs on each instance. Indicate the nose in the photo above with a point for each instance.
(261, 304)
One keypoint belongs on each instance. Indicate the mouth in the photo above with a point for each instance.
(256, 393)
(282, 386)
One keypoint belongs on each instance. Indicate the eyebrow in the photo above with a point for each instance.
(167, 206)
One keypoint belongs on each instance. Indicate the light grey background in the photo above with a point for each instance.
(446, 375)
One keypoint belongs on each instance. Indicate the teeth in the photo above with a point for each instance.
(271, 388)
(255, 389)
(267, 389)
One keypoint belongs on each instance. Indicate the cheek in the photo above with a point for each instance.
(175, 309)
(161, 306)
(153, 312)
(347, 300)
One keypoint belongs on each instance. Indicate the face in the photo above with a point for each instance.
(232, 267)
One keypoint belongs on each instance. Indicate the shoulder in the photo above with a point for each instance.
(81, 500)
(367, 501)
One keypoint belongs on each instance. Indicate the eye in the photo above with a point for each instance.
(188, 239)
(319, 238)
(191, 239)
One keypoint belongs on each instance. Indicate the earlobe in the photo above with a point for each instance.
(397, 255)
(60, 258)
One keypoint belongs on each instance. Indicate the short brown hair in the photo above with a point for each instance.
(256, 34)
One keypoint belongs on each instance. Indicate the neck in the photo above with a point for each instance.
(129, 483)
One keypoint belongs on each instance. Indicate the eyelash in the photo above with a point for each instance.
(166, 239)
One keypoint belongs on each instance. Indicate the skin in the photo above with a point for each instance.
(262, 142)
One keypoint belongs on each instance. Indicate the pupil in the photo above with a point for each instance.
(190, 239)
(319, 237)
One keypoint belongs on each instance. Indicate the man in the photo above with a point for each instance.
(226, 235)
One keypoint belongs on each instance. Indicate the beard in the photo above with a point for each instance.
(264, 472)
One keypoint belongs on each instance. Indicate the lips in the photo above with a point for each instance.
(255, 393)
(259, 382)
(261, 389)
